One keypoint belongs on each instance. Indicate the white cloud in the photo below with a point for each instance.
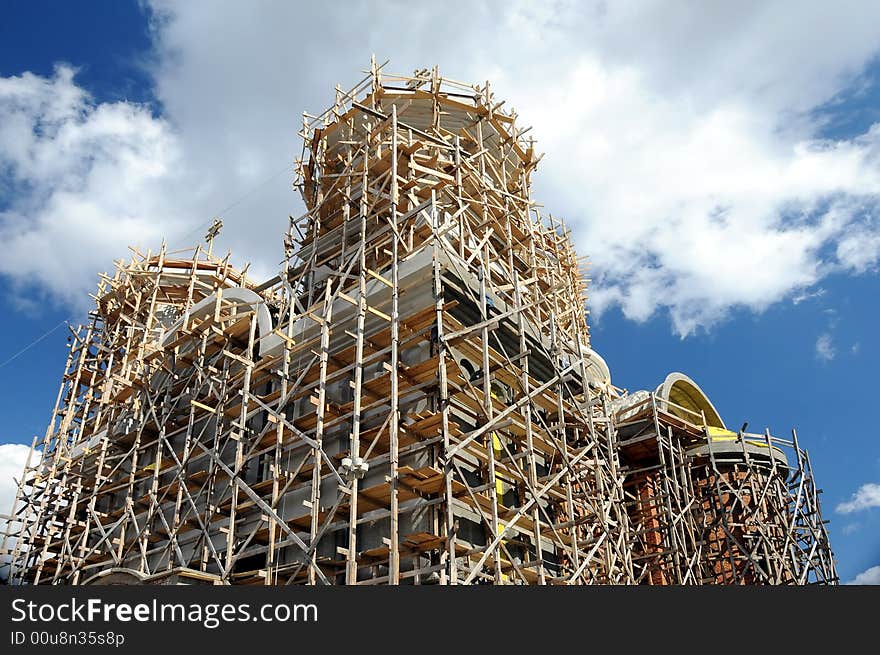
(870, 576)
(682, 147)
(825, 350)
(851, 528)
(83, 180)
(867, 496)
(12, 461)
(807, 295)
(859, 250)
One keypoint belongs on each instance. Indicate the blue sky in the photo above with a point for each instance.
(724, 187)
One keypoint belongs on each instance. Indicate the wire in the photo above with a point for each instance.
(239, 200)
(34, 343)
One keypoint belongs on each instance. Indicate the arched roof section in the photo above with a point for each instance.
(203, 308)
(681, 396)
(116, 576)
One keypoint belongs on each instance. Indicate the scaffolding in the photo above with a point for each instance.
(413, 399)
(710, 506)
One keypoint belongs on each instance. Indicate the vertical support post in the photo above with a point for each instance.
(394, 427)
(351, 553)
(448, 465)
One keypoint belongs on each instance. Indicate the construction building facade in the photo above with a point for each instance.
(413, 399)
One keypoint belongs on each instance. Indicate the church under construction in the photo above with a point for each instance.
(413, 399)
